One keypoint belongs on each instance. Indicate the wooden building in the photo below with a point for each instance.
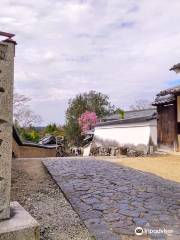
(168, 118)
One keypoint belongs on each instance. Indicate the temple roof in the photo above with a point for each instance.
(162, 100)
(166, 96)
(135, 116)
(132, 114)
(175, 67)
(173, 90)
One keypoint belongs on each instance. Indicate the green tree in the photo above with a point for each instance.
(91, 101)
(51, 128)
(29, 134)
(55, 130)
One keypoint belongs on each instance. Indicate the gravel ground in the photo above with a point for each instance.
(35, 190)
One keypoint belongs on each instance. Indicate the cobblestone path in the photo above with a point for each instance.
(113, 200)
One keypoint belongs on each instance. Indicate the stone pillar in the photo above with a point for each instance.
(7, 50)
(18, 225)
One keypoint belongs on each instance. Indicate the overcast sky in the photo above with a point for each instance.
(122, 48)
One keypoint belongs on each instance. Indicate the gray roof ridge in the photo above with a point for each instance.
(127, 120)
(141, 110)
(168, 90)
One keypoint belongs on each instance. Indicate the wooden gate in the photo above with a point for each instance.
(167, 126)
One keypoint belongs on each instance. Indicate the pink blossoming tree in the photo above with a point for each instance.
(87, 121)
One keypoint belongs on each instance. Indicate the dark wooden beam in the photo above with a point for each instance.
(5, 34)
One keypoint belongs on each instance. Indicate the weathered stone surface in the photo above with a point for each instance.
(113, 200)
(21, 226)
(15, 222)
(6, 102)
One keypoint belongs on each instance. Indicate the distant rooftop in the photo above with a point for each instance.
(27, 143)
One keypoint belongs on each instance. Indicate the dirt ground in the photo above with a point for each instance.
(35, 190)
(167, 167)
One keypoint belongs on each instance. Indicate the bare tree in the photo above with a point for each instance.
(20, 100)
(23, 115)
(141, 104)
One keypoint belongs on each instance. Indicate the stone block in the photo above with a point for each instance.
(20, 226)
(6, 119)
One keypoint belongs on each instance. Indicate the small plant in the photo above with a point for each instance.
(121, 114)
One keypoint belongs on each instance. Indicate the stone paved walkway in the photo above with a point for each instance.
(113, 200)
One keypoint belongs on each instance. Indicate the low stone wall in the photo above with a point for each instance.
(101, 147)
(32, 152)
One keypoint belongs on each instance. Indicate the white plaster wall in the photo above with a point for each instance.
(134, 133)
(178, 108)
(153, 132)
(178, 119)
(87, 150)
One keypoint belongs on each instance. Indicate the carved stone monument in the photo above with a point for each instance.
(15, 222)
(6, 91)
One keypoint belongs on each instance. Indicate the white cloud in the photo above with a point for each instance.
(122, 48)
